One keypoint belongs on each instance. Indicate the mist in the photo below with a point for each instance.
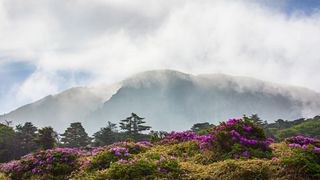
(87, 43)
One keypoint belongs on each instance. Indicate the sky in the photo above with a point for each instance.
(48, 46)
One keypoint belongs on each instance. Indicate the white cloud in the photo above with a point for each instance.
(114, 39)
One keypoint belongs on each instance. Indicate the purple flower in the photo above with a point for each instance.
(316, 148)
(235, 156)
(246, 154)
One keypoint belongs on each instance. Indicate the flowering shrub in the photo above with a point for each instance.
(240, 138)
(178, 137)
(305, 157)
(50, 163)
(301, 140)
(104, 156)
(151, 166)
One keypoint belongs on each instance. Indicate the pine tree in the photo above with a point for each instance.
(256, 119)
(133, 125)
(26, 135)
(46, 138)
(106, 136)
(75, 136)
(8, 143)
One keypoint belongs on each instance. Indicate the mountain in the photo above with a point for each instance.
(171, 100)
(60, 110)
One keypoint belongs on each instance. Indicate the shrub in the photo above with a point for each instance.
(306, 158)
(240, 138)
(59, 162)
(104, 159)
(150, 166)
(104, 156)
(301, 140)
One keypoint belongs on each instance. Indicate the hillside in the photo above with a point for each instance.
(235, 149)
(282, 129)
(170, 100)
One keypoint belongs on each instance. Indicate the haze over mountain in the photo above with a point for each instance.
(170, 100)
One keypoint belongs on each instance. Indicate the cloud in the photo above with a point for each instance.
(111, 40)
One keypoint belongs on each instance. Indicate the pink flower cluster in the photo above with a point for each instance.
(118, 151)
(42, 162)
(303, 142)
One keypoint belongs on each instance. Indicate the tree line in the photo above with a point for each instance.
(25, 138)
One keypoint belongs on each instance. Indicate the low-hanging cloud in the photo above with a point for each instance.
(110, 40)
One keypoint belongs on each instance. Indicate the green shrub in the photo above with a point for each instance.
(306, 159)
(240, 138)
(149, 166)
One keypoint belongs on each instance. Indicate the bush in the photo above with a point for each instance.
(306, 158)
(104, 159)
(240, 138)
(150, 166)
(301, 140)
(104, 156)
(59, 163)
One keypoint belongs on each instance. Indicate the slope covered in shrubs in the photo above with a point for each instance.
(235, 149)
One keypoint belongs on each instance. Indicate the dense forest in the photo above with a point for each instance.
(126, 142)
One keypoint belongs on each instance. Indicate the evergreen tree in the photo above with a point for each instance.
(75, 136)
(8, 143)
(106, 136)
(26, 135)
(201, 126)
(133, 125)
(46, 138)
(256, 119)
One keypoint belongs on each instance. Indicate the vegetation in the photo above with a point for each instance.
(235, 149)
(75, 136)
(283, 129)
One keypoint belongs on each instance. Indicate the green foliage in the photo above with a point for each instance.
(306, 160)
(103, 161)
(185, 149)
(201, 127)
(107, 135)
(156, 136)
(256, 119)
(46, 138)
(75, 136)
(240, 138)
(26, 135)
(50, 164)
(133, 125)
(152, 166)
(8, 142)
(308, 128)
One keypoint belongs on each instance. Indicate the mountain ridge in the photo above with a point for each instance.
(170, 100)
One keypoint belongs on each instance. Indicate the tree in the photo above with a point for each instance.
(256, 119)
(156, 136)
(75, 136)
(8, 143)
(46, 138)
(133, 125)
(26, 135)
(201, 126)
(106, 136)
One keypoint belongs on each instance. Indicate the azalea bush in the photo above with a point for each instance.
(104, 156)
(59, 162)
(240, 138)
(301, 140)
(305, 157)
(149, 166)
(178, 137)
